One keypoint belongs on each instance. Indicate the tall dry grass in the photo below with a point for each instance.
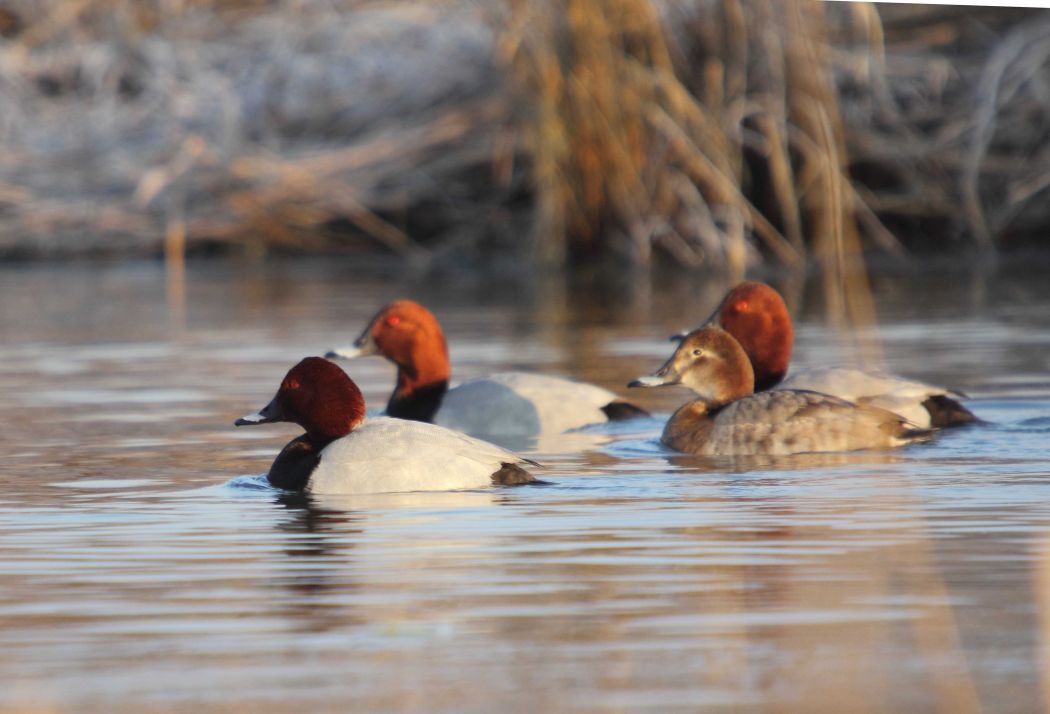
(711, 133)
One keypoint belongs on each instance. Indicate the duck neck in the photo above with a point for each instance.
(415, 400)
(771, 356)
(767, 380)
(724, 384)
(422, 378)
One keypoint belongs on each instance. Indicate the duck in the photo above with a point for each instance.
(344, 452)
(755, 314)
(730, 419)
(499, 405)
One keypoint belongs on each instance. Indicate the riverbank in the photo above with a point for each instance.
(454, 132)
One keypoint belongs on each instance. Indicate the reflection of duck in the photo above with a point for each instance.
(317, 542)
(730, 420)
(782, 463)
(310, 522)
(343, 452)
(755, 314)
(507, 404)
(332, 544)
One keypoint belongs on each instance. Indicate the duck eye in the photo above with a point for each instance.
(291, 383)
(740, 306)
(392, 320)
(697, 353)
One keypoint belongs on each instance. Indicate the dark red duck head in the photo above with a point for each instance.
(755, 314)
(318, 396)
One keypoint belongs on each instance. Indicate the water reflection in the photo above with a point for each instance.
(786, 463)
(318, 543)
(130, 564)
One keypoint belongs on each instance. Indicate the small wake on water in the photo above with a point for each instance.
(249, 482)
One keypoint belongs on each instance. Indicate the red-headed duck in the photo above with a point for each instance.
(506, 404)
(729, 419)
(755, 314)
(343, 452)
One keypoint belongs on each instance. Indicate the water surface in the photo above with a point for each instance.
(143, 567)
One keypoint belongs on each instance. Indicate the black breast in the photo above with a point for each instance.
(292, 468)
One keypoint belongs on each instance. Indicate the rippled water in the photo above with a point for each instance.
(143, 568)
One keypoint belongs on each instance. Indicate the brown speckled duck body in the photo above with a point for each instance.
(729, 419)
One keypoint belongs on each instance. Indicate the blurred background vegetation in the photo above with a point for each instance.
(715, 133)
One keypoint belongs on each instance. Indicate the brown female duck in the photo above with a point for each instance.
(729, 419)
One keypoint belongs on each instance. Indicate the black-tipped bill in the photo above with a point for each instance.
(660, 378)
(267, 415)
(348, 352)
(363, 347)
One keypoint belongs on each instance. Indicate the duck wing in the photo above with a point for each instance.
(799, 421)
(519, 403)
(923, 404)
(385, 454)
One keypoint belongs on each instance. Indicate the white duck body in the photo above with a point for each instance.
(903, 397)
(384, 454)
(522, 404)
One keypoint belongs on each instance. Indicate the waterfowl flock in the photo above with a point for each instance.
(433, 437)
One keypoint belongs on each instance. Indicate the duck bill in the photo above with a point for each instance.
(267, 415)
(363, 346)
(662, 377)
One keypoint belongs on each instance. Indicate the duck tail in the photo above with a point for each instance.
(620, 411)
(945, 411)
(510, 474)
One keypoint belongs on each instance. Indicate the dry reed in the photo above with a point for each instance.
(717, 132)
(716, 144)
(948, 126)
